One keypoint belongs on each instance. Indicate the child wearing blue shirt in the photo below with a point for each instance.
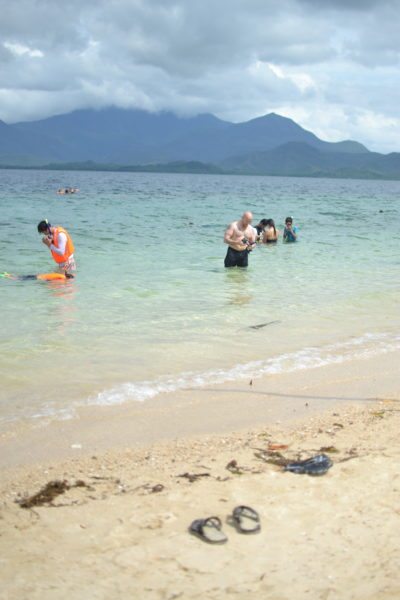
(290, 231)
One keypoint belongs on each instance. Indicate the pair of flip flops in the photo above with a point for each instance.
(317, 465)
(245, 519)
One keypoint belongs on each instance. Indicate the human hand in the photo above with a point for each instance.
(46, 241)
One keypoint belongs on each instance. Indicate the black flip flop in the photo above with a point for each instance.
(317, 465)
(208, 530)
(246, 519)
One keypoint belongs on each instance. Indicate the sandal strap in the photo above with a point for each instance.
(212, 522)
(245, 511)
(199, 524)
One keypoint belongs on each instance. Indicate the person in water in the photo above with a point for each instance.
(290, 231)
(39, 276)
(260, 229)
(240, 237)
(60, 244)
(271, 233)
(67, 190)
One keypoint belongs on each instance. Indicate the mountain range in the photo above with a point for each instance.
(132, 139)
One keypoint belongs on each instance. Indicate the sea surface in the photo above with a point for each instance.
(153, 310)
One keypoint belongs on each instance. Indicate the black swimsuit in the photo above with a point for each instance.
(236, 258)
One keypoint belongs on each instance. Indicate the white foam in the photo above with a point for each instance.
(309, 358)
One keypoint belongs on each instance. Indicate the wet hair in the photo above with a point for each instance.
(261, 225)
(289, 220)
(271, 223)
(43, 226)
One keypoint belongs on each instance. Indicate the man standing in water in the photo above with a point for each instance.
(60, 244)
(240, 237)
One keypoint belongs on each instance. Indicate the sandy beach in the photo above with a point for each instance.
(134, 477)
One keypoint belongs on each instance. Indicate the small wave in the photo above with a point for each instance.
(309, 358)
(42, 415)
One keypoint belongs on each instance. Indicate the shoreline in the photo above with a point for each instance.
(219, 409)
(121, 526)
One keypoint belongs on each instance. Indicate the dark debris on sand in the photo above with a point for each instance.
(48, 493)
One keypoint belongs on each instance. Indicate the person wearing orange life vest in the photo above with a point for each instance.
(60, 244)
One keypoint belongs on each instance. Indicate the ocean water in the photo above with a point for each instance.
(153, 310)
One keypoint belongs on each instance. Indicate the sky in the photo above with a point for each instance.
(333, 66)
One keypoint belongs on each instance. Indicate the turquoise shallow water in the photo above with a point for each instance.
(154, 310)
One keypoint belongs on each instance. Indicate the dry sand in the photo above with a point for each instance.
(122, 532)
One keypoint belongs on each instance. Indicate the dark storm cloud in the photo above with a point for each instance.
(237, 58)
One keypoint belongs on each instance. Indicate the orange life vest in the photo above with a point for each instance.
(50, 276)
(69, 246)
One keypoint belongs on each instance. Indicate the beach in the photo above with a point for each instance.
(120, 526)
(158, 388)
(199, 291)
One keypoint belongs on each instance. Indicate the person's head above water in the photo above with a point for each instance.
(263, 223)
(247, 218)
(44, 226)
(289, 220)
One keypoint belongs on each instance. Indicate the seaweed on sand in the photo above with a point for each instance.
(48, 493)
(193, 476)
(272, 457)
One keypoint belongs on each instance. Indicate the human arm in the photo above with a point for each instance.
(252, 235)
(289, 234)
(62, 242)
(230, 238)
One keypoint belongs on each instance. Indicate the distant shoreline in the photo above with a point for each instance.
(190, 168)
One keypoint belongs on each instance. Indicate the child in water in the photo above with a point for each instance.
(290, 231)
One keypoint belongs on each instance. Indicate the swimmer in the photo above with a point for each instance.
(260, 229)
(40, 276)
(271, 233)
(290, 231)
(67, 190)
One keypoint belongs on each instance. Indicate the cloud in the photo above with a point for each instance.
(19, 50)
(324, 63)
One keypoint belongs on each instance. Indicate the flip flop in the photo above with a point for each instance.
(246, 519)
(208, 530)
(317, 465)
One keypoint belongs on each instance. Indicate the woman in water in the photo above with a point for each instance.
(260, 229)
(271, 233)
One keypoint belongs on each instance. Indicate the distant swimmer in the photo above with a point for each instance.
(60, 244)
(290, 231)
(240, 237)
(67, 190)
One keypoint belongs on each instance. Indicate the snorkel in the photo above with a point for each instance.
(44, 227)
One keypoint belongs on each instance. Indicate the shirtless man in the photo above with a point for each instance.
(240, 237)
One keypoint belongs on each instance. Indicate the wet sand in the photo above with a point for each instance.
(145, 472)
